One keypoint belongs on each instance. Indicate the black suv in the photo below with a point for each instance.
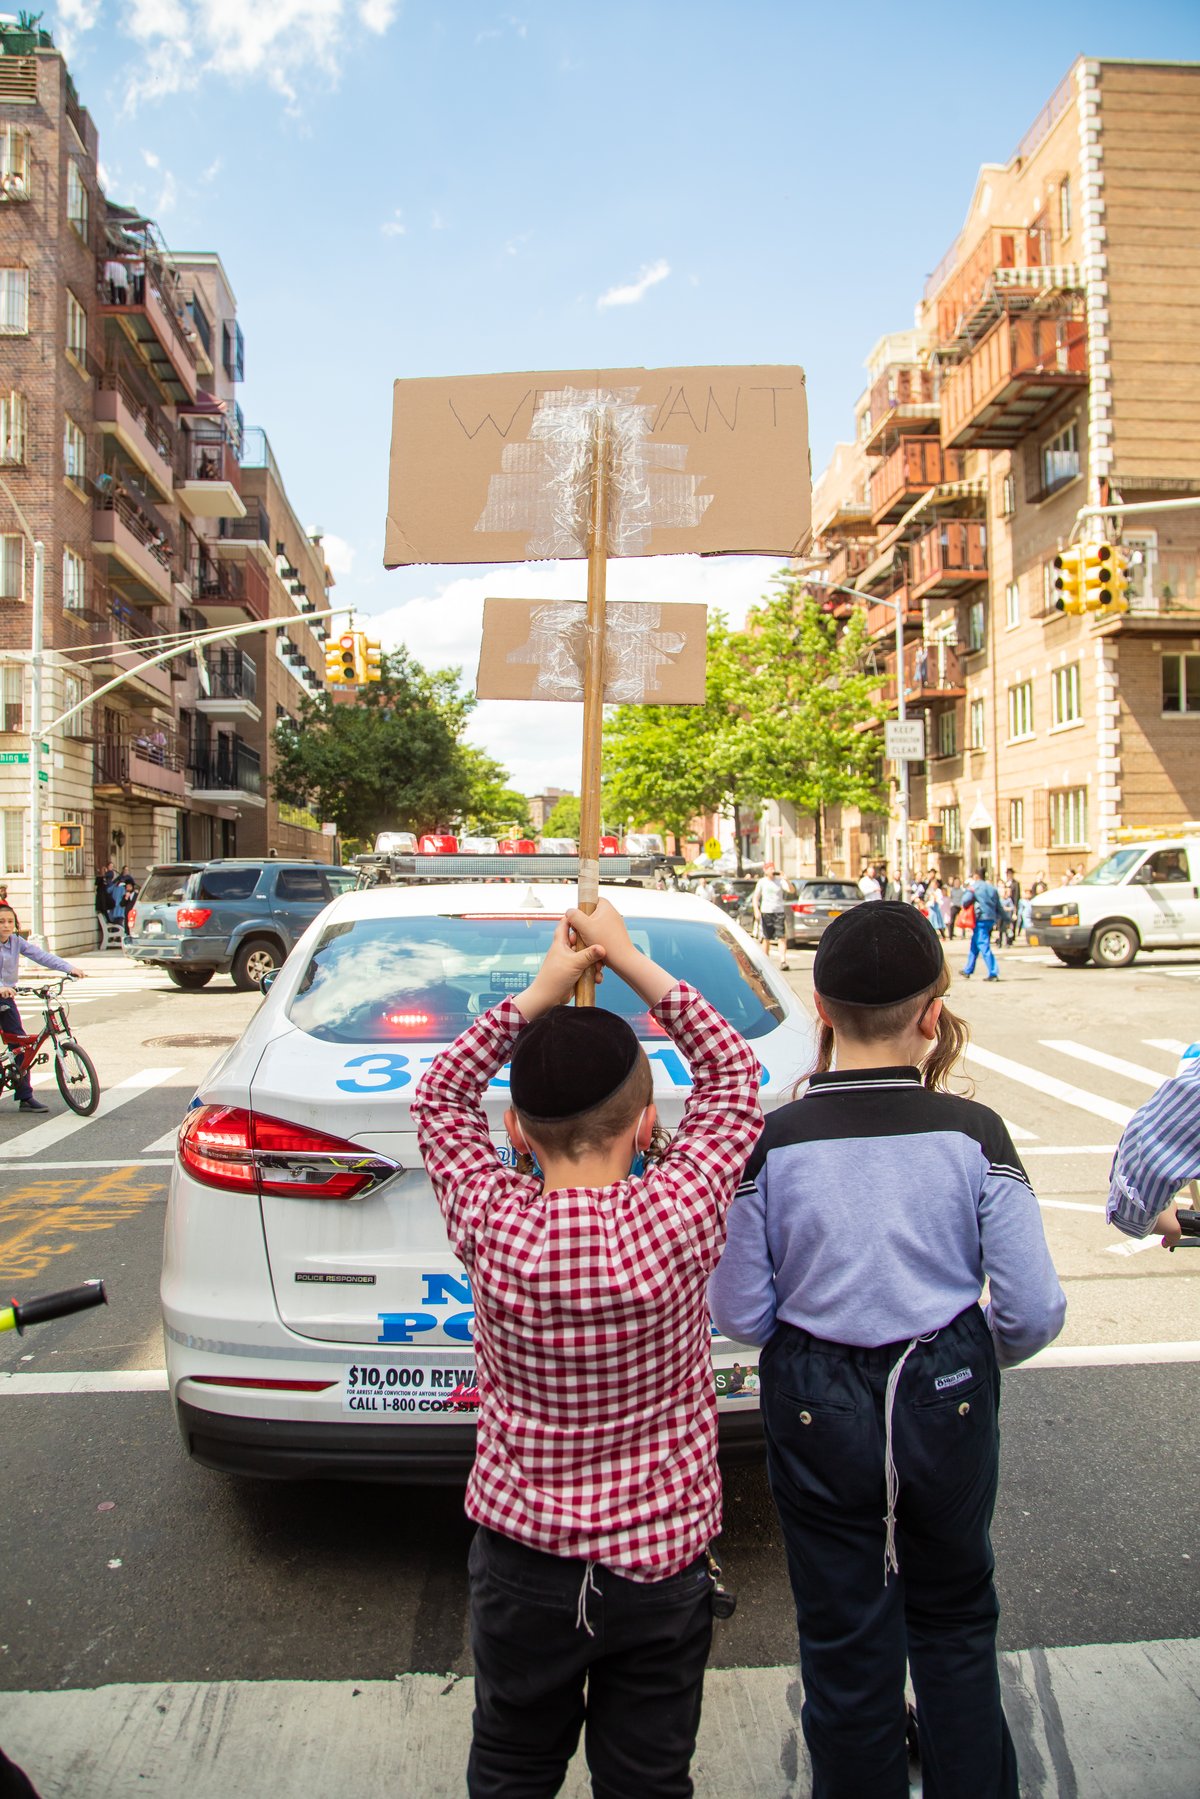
(241, 917)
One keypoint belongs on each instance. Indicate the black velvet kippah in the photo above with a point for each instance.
(569, 1060)
(877, 954)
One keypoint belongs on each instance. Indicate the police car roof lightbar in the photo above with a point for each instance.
(491, 868)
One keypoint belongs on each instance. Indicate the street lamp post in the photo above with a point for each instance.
(901, 709)
(37, 921)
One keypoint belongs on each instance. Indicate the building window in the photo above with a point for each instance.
(1012, 604)
(73, 696)
(14, 302)
(14, 429)
(1060, 458)
(1020, 710)
(13, 843)
(73, 578)
(948, 733)
(976, 724)
(950, 820)
(1068, 818)
(12, 697)
(74, 452)
(72, 861)
(975, 626)
(1064, 695)
(14, 163)
(76, 328)
(77, 200)
(233, 350)
(12, 567)
(1008, 496)
(1016, 821)
(203, 331)
(1181, 683)
(1064, 210)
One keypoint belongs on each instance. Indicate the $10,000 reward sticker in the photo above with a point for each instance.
(410, 1389)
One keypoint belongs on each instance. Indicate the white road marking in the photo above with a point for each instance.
(1174, 1046)
(1069, 1149)
(1096, 1058)
(1111, 1355)
(1050, 1086)
(1069, 1205)
(102, 1162)
(119, 1380)
(1018, 1133)
(166, 1141)
(45, 1136)
(1134, 1246)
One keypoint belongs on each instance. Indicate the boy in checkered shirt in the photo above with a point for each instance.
(595, 1485)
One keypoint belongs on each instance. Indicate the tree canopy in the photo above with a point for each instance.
(564, 820)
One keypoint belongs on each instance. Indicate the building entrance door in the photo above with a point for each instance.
(981, 852)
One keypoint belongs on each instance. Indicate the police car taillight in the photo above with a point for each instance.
(247, 1152)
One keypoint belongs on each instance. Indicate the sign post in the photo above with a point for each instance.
(593, 693)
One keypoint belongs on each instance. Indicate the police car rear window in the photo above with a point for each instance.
(380, 980)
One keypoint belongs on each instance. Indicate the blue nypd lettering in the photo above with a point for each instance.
(446, 1307)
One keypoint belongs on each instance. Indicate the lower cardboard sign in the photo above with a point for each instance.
(410, 1389)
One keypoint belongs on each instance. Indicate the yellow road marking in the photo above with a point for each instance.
(43, 1219)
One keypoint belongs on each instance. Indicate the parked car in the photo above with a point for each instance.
(340, 1344)
(236, 916)
(731, 897)
(815, 903)
(1144, 896)
(158, 898)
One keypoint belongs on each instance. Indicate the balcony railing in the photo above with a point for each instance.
(1012, 377)
(231, 675)
(149, 420)
(904, 392)
(228, 766)
(242, 584)
(140, 428)
(952, 553)
(153, 537)
(932, 672)
(881, 619)
(125, 283)
(971, 284)
(254, 528)
(914, 466)
(150, 760)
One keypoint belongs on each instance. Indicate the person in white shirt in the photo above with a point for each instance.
(869, 886)
(769, 902)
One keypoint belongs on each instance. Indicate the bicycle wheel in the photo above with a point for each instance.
(77, 1080)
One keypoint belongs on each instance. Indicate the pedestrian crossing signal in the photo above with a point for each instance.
(1069, 576)
(66, 837)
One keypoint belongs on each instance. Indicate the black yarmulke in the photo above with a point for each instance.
(877, 954)
(569, 1060)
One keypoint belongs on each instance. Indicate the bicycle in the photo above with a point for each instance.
(74, 1069)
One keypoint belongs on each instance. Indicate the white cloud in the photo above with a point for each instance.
(437, 222)
(649, 275)
(279, 42)
(338, 554)
(514, 245)
(395, 226)
(539, 743)
(166, 199)
(71, 19)
(212, 171)
(150, 159)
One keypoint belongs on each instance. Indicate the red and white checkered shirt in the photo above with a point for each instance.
(597, 1432)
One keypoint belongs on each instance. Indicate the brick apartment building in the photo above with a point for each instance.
(1055, 363)
(122, 446)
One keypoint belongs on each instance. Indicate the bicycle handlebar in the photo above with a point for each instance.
(56, 985)
(1189, 1223)
(52, 1305)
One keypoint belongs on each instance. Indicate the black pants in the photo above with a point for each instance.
(642, 1668)
(823, 1408)
(10, 1025)
(14, 1784)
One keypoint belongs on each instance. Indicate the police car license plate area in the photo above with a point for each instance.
(410, 1390)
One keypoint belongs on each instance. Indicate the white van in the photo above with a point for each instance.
(1143, 896)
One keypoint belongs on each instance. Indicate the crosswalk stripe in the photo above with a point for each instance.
(1174, 1046)
(166, 1141)
(1018, 1132)
(45, 1136)
(1050, 1085)
(1095, 1058)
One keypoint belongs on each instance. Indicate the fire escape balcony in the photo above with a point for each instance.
(881, 618)
(230, 593)
(226, 771)
(905, 398)
(115, 624)
(210, 479)
(951, 555)
(1010, 257)
(140, 430)
(250, 536)
(146, 769)
(134, 295)
(232, 686)
(910, 469)
(137, 548)
(1013, 377)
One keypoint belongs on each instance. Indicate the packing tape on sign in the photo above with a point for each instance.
(636, 649)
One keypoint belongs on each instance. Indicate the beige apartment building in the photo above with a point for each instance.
(1054, 363)
(123, 450)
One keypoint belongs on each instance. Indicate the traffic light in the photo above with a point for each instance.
(372, 660)
(66, 837)
(347, 651)
(1069, 579)
(1106, 582)
(335, 672)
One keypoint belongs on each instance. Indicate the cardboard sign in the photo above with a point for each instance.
(535, 649)
(707, 461)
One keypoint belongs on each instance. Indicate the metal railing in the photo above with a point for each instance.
(227, 766)
(148, 419)
(232, 675)
(255, 527)
(152, 537)
(120, 760)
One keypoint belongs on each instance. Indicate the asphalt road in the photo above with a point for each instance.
(121, 1562)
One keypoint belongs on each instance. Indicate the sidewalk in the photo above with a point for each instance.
(1109, 1721)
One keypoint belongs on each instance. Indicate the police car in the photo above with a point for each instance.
(316, 1322)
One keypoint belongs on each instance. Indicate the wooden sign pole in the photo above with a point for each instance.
(593, 696)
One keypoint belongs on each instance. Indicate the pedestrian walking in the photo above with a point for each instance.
(935, 900)
(988, 914)
(769, 905)
(880, 1377)
(12, 947)
(1010, 893)
(595, 1485)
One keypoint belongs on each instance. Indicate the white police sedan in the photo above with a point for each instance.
(316, 1321)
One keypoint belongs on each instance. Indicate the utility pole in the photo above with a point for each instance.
(37, 922)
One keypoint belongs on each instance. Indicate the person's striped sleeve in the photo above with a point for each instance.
(1158, 1153)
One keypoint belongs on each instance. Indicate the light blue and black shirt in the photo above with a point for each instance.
(10, 959)
(1158, 1153)
(871, 1211)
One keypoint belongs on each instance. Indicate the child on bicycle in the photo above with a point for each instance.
(595, 1485)
(12, 948)
(871, 1210)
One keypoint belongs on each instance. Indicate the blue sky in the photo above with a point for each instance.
(403, 187)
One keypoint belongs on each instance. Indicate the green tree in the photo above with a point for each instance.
(493, 806)
(392, 760)
(811, 693)
(564, 820)
(665, 765)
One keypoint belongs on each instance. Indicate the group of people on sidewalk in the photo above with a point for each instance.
(116, 896)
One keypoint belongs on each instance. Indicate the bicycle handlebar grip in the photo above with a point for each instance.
(59, 1305)
(1189, 1223)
